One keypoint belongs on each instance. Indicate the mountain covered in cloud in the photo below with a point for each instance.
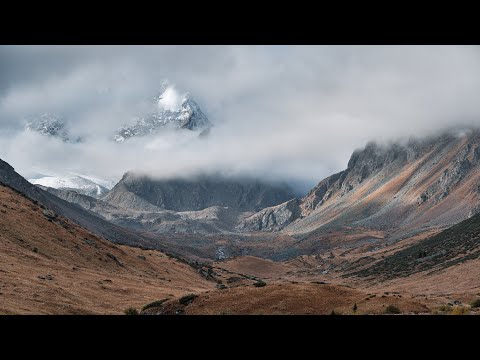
(172, 111)
(49, 125)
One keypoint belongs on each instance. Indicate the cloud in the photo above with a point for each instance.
(285, 112)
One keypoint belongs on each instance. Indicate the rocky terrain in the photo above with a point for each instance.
(140, 192)
(399, 189)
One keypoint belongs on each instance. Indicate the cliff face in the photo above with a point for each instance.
(431, 182)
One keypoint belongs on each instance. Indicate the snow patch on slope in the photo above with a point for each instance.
(73, 182)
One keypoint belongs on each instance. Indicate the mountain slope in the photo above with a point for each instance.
(455, 245)
(49, 265)
(400, 189)
(140, 192)
(95, 205)
(86, 219)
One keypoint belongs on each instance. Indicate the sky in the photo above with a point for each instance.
(287, 113)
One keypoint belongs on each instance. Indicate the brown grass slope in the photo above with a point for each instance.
(49, 265)
(291, 299)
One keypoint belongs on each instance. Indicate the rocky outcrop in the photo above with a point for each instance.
(273, 218)
(465, 161)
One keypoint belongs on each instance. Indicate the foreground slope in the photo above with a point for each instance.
(49, 265)
(75, 213)
(290, 299)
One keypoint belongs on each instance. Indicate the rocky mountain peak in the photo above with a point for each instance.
(173, 110)
(49, 125)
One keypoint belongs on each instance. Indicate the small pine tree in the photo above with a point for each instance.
(355, 307)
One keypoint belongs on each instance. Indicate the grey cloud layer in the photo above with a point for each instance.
(290, 112)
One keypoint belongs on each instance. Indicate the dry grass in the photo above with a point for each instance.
(75, 272)
(288, 299)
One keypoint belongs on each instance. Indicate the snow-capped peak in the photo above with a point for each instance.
(173, 110)
(169, 99)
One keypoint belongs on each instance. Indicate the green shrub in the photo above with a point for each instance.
(131, 311)
(475, 304)
(391, 309)
(460, 310)
(154, 304)
(187, 299)
(445, 308)
(260, 283)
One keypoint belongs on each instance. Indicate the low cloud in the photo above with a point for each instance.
(290, 113)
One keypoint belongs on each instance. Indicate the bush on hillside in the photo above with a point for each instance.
(154, 304)
(460, 310)
(391, 309)
(187, 299)
(475, 304)
(131, 311)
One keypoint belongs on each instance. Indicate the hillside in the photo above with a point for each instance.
(49, 265)
(290, 299)
(398, 190)
(140, 192)
(73, 212)
(455, 245)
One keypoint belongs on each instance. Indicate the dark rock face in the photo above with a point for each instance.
(147, 194)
